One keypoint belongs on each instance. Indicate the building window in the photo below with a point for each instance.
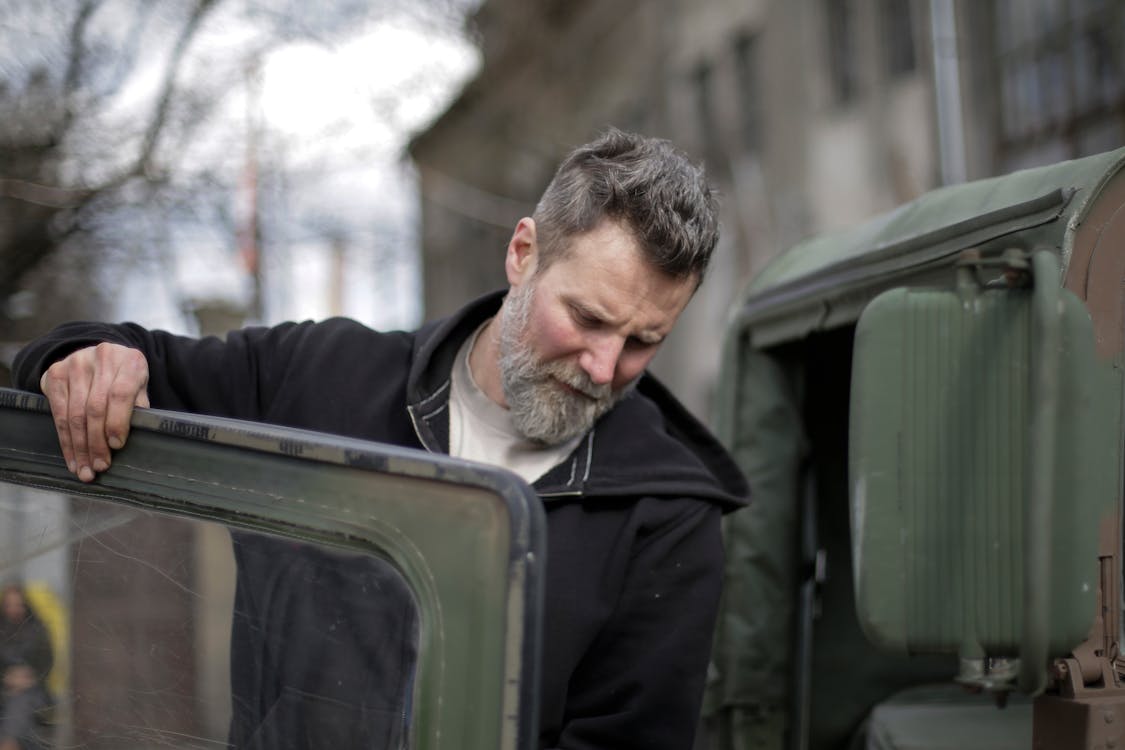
(702, 80)
(840, 45)
(749, 91)
(898, 37)
(1061, 75)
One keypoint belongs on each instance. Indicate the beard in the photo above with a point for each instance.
(542, 409)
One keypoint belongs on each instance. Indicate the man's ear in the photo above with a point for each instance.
(523, 252)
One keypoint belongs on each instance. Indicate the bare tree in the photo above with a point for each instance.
(116, 123)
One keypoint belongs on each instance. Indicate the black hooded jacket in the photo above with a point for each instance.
(633, 514)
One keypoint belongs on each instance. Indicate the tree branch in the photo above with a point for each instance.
(77, 59)
(41, 195)
(168, 87)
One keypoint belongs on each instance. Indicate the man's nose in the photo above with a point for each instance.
(599, 361)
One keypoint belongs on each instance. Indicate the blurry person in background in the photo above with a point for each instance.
(25, 660)
(547, 378)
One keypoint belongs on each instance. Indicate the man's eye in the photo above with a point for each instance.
(635, 343)
(586, 320)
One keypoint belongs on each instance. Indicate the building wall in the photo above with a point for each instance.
(810, 115)
(551, 80)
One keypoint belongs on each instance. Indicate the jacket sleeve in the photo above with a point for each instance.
(232, 377)
(641, 682)
(34, 359)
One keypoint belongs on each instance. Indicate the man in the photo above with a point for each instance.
(548, 380)
(25, 661)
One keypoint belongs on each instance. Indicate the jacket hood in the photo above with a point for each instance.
(646, 445)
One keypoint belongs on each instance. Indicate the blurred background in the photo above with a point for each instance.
(195, 165)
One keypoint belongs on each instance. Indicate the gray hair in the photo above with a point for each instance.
(646, 183)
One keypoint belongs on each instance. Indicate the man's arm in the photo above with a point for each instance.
(95, 374)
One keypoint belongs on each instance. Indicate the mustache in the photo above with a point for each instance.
(577, 379)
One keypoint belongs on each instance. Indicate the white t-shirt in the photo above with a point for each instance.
(482, 430)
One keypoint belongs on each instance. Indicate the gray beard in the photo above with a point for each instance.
(543, 411)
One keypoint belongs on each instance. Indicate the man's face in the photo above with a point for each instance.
(574, 338)
(18, 678)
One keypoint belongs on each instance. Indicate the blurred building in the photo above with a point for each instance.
(809, 115)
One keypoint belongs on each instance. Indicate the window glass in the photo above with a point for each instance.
(1062, 78)
(898, 37)
(843, 75)
(750, 93)
(703, 77)
(124, 628)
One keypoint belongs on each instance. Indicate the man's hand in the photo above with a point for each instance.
(92, 393)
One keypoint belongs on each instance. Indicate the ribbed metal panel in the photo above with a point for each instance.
(947, 378)
(965, 473)
(940, 450)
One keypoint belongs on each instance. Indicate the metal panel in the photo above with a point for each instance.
(941, 471)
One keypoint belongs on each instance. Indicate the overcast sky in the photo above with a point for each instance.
(341, 87)
(336, 118)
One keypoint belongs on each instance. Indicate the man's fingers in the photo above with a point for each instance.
(121, 402)
(54, 388)
(92, 393)
(78, 375)
(127, 389)
(120, 413)
(98, 409)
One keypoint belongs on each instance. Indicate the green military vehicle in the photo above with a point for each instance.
(929, 408)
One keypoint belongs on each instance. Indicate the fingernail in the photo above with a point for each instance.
(115, 442)
(100, 465)
(85, 474)
(72, 467)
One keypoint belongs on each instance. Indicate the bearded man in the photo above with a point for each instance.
(548, 380)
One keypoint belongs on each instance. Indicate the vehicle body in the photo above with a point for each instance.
(144, 577)
(929, 408)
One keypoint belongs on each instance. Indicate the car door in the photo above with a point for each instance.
(231, 582)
